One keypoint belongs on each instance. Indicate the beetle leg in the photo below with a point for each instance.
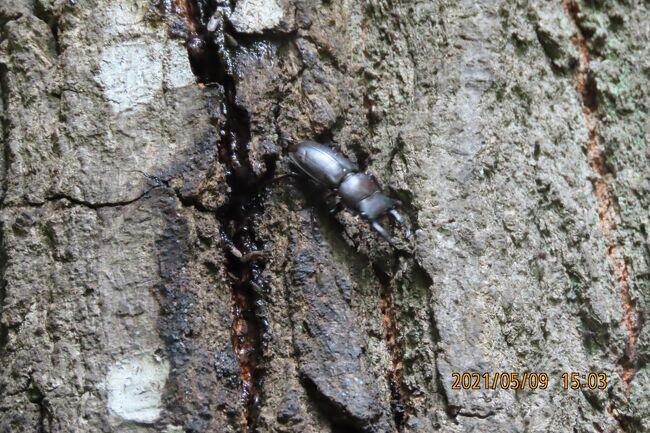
(253, 256)
(284, 176)
(332, 202)
(382, 231)
(400, 221)
(336, 208)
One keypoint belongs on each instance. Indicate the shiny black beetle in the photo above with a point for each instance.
(357, 190)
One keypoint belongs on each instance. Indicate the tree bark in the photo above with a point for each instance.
(159, 275)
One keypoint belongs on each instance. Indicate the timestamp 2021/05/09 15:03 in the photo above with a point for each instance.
(529, 380)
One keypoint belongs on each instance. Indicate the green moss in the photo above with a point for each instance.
(623, 82)
(640, 143)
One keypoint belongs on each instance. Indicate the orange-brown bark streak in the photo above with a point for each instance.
(395, 379)
(245, 345)
(606, 211)
(183, 8)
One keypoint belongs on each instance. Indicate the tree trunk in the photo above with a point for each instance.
(160, 275)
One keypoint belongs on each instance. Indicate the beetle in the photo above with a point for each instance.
(357, 190)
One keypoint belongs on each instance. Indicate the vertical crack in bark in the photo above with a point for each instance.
(51, 19)
(586, 87)
(4, 330)
(244, 265)
(398, 401)
(5, 126)
(210, 62)
(395, 377)
(4, 130)
(35, 395)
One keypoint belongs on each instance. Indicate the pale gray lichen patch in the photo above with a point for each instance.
(176, 68)
(135, 384)
(255, 16)
(131, 73)
(123, 17)
(139, 60)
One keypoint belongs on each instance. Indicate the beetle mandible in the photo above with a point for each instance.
(357, 190)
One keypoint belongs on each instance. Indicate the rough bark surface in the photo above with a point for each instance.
(156, 278)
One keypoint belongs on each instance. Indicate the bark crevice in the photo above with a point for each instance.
(4, 329)
(94, 205)
(607, 213)
(5, 124)
(211, 54)
(398, 403)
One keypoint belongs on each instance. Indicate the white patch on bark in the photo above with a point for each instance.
(123, 17)
(133, 73)
(135, 384)
(177, 69)
(255, 16)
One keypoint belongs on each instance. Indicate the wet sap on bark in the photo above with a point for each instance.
(211, 63)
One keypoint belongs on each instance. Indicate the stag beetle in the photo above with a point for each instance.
(357, 190)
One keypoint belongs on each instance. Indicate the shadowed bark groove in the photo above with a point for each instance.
(586, 87)
(329, 347)
(5, 127)
(4, 331)
(4, 143)
(386, 304)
